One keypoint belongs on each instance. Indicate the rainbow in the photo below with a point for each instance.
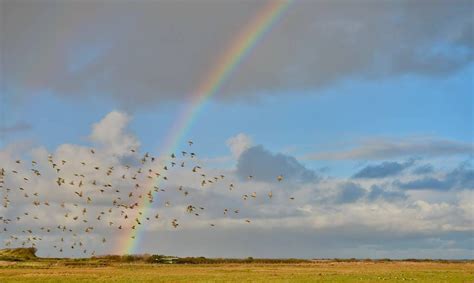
(226, 65)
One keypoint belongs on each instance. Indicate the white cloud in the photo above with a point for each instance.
(110, 133)
(385, 148)
(239, 144)
(315, 214)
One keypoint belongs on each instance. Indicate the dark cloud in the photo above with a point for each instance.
(383, 170)
(385, 148)
(423, 169)
(144, 52)
(460, 178)
(379, 192)
(266, 166)
(349, 192)
(463, 175)
(423, 183)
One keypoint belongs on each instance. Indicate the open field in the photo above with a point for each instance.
(315, 271)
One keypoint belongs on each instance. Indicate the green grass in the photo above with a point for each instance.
(317, 271)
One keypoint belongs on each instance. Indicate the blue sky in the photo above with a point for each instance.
(300, 122)
(367, 111)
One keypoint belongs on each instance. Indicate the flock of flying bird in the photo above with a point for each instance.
(74, 214)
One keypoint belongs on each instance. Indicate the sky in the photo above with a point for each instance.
(365, 108)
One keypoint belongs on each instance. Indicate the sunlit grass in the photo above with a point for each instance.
(327, 271)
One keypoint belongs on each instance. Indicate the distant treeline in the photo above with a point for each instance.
(26, 254)
(203, 260)
(392, 260)
(193, 260)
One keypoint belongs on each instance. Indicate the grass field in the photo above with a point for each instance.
(317, 271)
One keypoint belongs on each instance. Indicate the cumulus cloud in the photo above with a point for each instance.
(382, 170)
(89, 47)
(76, 164)
(110, 134)
(460, 178)
(239, 144)
(266, 166)
(384, 148)
(341, 217)
(430, 183)
(380, 192)
(344, 192)
(423, 169)
(350, 192)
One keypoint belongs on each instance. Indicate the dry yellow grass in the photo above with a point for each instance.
(328, 271)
